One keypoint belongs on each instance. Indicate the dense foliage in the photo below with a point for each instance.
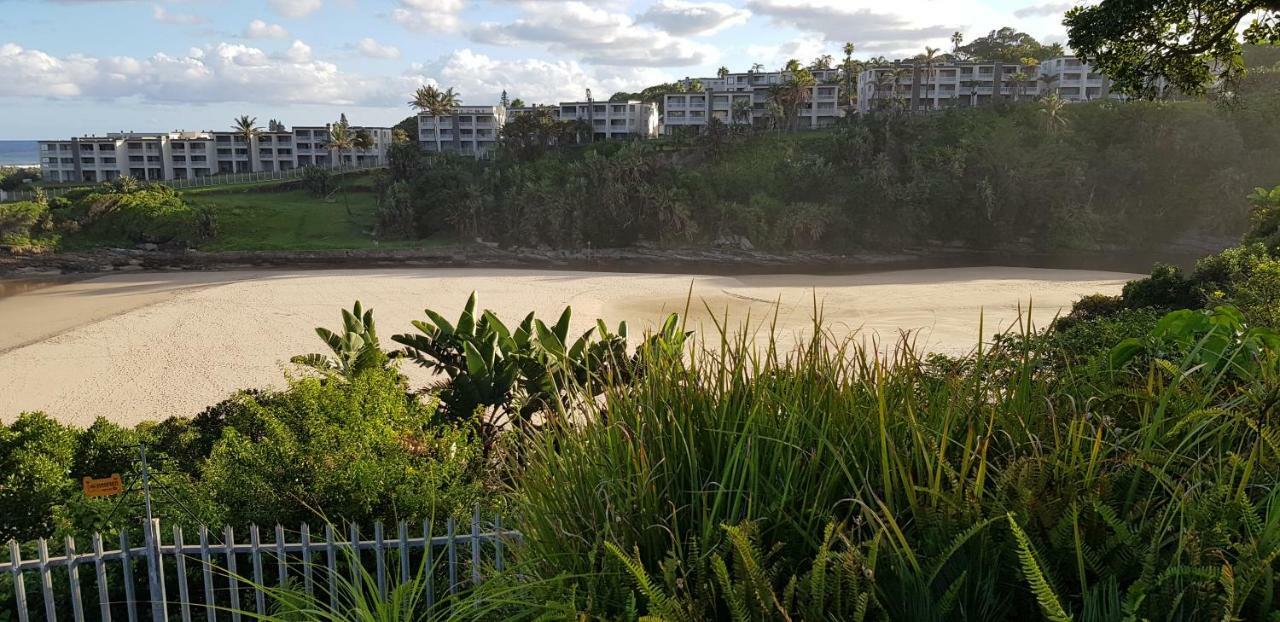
(122, 212)
(1029, 176)
(1186, 43)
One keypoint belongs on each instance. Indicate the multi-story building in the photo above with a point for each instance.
(614, 120)
(744, 99)
(470, 131)
(188, 155)
(976, 83)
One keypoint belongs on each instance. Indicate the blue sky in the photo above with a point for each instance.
(70, 67)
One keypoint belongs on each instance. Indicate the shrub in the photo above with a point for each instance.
(23, 222)
(1166, 288)
(124, 212)
(358, 450)
(318, 180)
(35, 475)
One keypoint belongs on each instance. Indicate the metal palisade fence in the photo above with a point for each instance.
(221, 179)
(217, 577)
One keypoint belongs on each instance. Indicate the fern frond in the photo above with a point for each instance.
(1050, 606)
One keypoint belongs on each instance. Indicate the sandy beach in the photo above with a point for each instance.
(138, 347)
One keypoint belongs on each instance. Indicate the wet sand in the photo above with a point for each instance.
(138, 347)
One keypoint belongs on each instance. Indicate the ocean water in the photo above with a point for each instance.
(13, 152)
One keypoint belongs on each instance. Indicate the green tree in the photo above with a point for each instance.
(930, 59)
(247, 128)
(435, 103)
(1187, 42)
(1008, 45)
(342, 139)
(517, 103)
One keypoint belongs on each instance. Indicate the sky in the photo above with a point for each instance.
(75, 67)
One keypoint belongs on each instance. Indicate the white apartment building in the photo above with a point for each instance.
(614, 120)
(471, 131)
(978, 83)
(188, 155)
(743, 99)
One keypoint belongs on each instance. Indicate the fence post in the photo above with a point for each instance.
(155, 571)
(19, 587)
(73, 580)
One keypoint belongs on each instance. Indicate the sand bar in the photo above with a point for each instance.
(146, 346)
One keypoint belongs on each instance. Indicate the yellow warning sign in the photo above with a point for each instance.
(104, 486)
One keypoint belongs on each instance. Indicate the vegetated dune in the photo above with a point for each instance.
(148, 346)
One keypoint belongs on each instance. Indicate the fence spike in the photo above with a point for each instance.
(206, 569)
(475, 545)
(282, 560)
(73, 580)
(126, 567)
(429, 562)
(255, 548)
(332, 549)
(452, 543)
(180, 566)
(19, 586)
(379, 560)
(233, 579)
(404, 551)
(46, 581)
(100, 573)
(307, 580)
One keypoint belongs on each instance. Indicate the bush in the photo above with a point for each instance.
(22, 223)
(1166, 288)
(35, 475)
(124, 212)
(357, 451)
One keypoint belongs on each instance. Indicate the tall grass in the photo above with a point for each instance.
(1005, 485)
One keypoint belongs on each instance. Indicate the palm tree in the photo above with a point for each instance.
(1048, 81)
(929, 58)
(886, 81)
(363, 141)
(742, 110)
(1019, 79)
(850, 67)
(1051, 106)
(247, 128)
(722, 72)
(341, 138)
(898, 75)
(956, 40)
(436, 103)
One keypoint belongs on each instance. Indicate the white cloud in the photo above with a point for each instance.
(804, 49)
(258, 29)
(225, 72)
(904, 27)
(179, 19)
(298, 53)
(1049, 9)
(597, 35)
(681, 17)
(294, 8)
(481, 79)
(428, 15)
(370, 47)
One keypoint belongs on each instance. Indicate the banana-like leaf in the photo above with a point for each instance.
(562, 325)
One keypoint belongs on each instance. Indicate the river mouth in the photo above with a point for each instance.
(146, 346)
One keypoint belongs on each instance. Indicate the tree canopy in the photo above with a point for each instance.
(1187, 42)
(1008, 45)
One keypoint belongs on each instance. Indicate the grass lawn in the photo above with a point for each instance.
(250, 219)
